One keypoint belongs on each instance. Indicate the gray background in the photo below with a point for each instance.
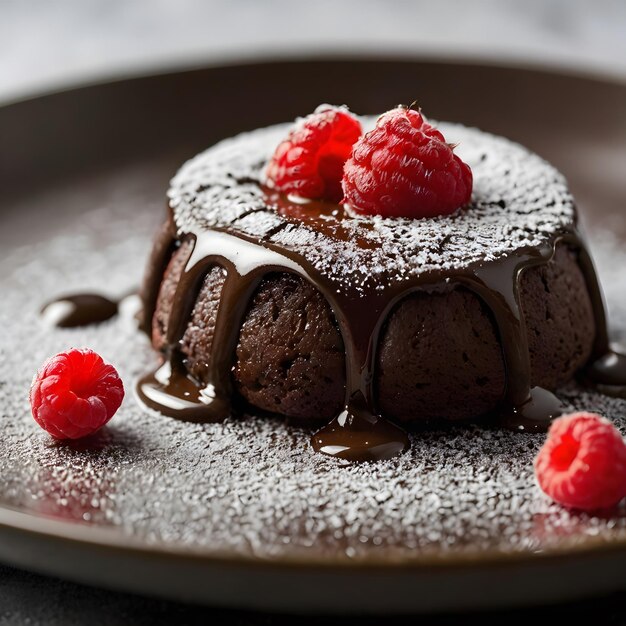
(49, 43)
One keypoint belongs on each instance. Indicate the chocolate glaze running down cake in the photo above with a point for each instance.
(303, 310)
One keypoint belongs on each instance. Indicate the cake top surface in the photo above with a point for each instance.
(519, 201)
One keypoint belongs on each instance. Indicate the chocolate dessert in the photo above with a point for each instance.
(310, 310)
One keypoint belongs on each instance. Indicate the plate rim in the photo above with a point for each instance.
(83, 534)
(385, 56)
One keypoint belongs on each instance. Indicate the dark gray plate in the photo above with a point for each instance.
(224, 514)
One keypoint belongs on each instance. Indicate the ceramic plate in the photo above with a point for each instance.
(243, 514)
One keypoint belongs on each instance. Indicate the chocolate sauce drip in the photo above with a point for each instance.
(359, 433)
(606, 370)
(498, 285)
(79, 309)
(162, 250)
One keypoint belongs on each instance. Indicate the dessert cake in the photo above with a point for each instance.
(321, 312)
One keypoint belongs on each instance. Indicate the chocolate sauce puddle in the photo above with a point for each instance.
(79, 309)
(359, 433)
(607, 373)
(173, 392)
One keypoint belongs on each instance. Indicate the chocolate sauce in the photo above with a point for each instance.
(497, 284)
(606, 370)
(607, 374)
(162, 249)
(359, 433)
(79, 309)
(173, 392)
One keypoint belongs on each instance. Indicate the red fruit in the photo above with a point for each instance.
(309, 163)
(75, 393)
(405, 168)
(583, 462)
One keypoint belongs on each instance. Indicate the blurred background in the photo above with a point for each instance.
(46, 44)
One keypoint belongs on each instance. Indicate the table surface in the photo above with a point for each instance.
(36, 600)
(45, 45)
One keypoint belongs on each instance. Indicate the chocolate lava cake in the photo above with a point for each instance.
(305, 309)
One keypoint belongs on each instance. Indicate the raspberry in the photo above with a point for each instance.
(404, 168)
(75, 393)
(309, 163)
(583, 462)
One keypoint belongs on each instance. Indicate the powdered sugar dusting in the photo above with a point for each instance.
(254, 486)
(519, 200)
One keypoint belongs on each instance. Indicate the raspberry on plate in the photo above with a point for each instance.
(75, 393)
(405, 168)
(582, 464)
(309, 162)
